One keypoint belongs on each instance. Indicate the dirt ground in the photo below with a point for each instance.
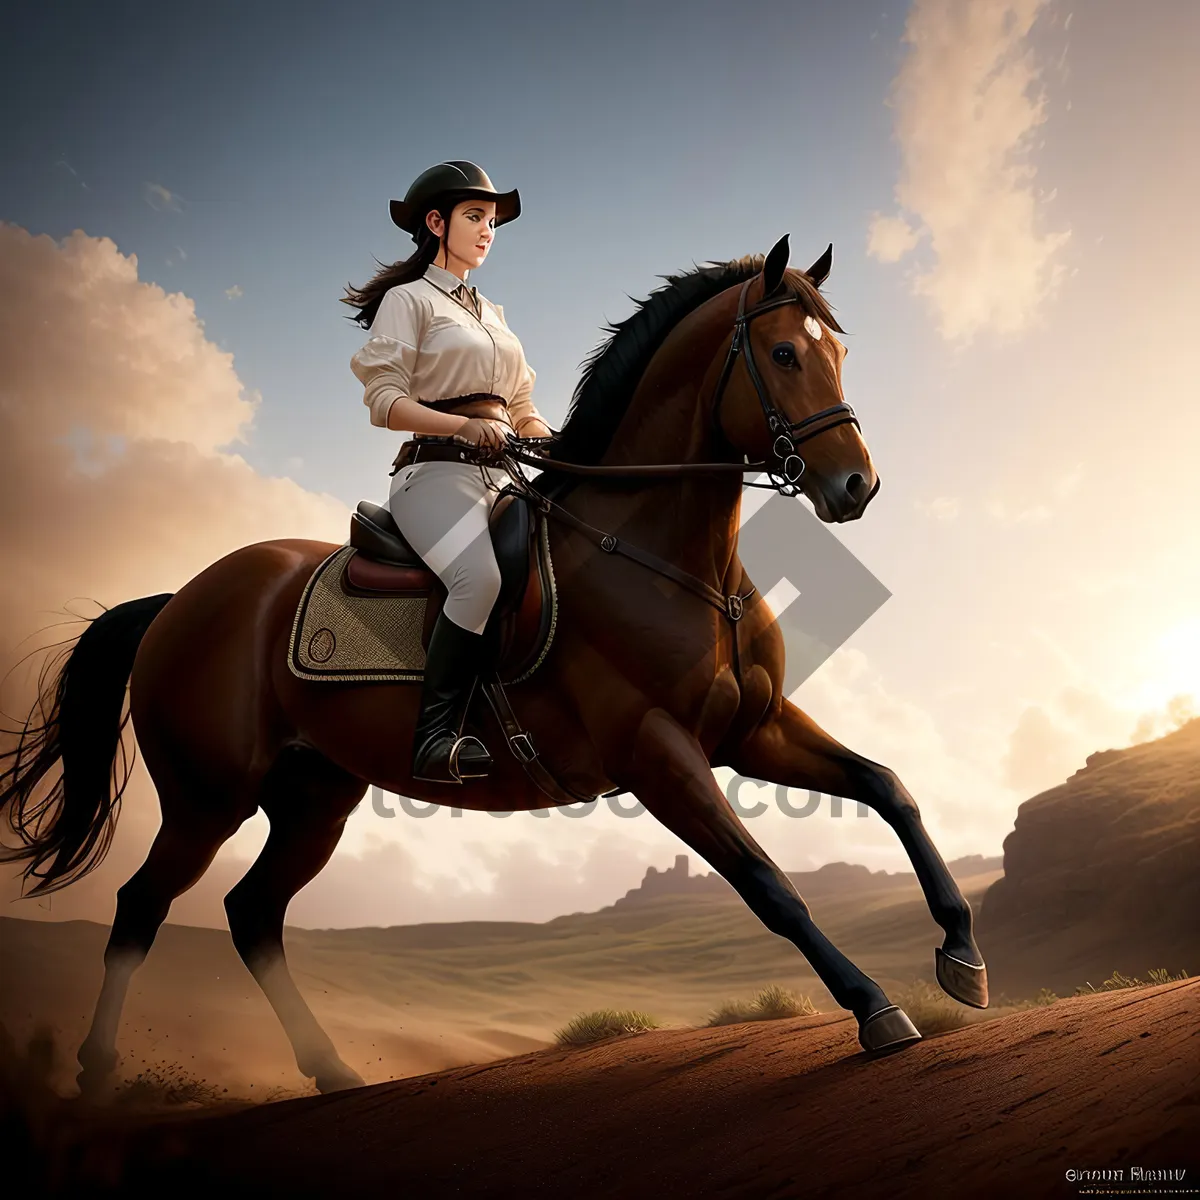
(769, 1109)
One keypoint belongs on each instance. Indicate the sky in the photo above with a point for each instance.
(1009, 188)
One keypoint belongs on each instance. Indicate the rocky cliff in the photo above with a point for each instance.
(1102, 873)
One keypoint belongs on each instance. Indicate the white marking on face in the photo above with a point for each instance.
(813, 328)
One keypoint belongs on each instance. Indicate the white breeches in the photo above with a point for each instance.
(442, 509)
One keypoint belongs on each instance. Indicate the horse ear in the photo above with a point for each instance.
(819, 271)
(774, 267)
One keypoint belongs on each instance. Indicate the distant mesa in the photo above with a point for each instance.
(831, 879)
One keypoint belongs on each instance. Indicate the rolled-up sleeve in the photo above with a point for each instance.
(385, 363)
(521, 407)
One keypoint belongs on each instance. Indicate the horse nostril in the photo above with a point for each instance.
(856, 486)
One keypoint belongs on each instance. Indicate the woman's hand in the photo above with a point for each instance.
(479, 431)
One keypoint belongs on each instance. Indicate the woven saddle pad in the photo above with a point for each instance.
(345, 638)
(342, 637)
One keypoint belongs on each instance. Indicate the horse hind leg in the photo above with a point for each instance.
(183, 848)
(307, 800)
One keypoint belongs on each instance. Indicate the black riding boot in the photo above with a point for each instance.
(454, 661)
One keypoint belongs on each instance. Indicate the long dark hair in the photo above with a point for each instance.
(366, 298)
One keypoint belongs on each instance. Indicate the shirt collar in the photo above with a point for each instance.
(446, 280)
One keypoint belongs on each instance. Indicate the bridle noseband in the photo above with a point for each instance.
(785, 435)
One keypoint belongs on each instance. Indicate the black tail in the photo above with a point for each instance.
(83, 690)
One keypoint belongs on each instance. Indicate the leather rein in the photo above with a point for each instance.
(784, 472)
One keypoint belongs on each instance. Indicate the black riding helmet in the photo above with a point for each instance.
(458, 176)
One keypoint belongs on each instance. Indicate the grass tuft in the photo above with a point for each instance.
(771, 1004)
(1117, 982)
(932, 1011)
(602, 1024)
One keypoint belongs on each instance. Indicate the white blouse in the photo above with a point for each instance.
(426, 345)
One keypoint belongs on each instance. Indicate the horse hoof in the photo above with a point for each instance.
(93, 1084)
(338, 1080)
(97, 1068)
(965, 982)
(888, 1029)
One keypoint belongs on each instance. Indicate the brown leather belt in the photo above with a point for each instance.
(486, 405)
(417, 451)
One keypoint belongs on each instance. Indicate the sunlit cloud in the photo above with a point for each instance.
(967, 107)
(1007, 514)
(1052, 739)
(1177, 711)
(235, 292)
(889, 239)
(117, 456)
(940, 508)
(1069, 483)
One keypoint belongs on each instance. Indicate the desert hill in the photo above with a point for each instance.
(1102, 872)
(773, 1109)
(411, 999)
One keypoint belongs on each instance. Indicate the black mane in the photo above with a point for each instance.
(612, 371)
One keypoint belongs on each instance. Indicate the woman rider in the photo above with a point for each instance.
(441, 362)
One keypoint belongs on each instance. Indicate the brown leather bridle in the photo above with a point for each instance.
(785, 435)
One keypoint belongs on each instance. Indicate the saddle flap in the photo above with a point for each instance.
(511, 531)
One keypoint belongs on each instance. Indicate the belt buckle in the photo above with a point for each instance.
(522, 747)
(733, 606)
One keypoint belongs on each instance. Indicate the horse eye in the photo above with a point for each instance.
(784, 354)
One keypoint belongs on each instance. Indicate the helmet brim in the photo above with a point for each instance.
(508, 208)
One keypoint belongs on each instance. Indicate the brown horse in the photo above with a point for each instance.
(645, 689)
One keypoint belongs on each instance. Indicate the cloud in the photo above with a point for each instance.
(966, 112)
(162, 199)
(889, 239)
(235, 292)
(1006, 514)
(116, 477)
(941, 508)
(1176, 712)
(1068, 485)
(1052, 739)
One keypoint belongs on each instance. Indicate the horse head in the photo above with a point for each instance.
(789, 383)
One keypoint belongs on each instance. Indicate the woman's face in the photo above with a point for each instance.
(472, 227)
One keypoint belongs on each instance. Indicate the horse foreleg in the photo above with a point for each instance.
(306, 826)
(791, 749)
(671, 776)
